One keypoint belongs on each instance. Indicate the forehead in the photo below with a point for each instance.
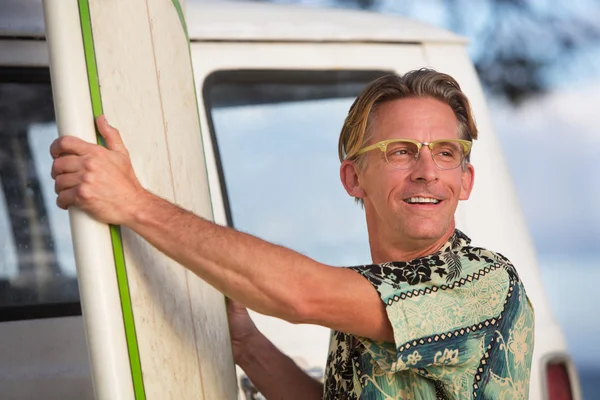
(418, 118)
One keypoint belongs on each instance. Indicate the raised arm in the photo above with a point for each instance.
(265, 277)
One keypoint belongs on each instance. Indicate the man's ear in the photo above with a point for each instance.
(349, 178)
(468, 179)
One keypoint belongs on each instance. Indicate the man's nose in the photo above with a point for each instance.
(424, 168)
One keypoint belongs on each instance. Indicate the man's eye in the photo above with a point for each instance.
(400, 151)
(446, 150)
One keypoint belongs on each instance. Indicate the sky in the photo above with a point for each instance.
(552, 144)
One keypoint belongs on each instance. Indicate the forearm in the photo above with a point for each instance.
(267, 278)
(262, 276)
(275, 375)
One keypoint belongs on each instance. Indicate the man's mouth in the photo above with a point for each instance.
(421, 200)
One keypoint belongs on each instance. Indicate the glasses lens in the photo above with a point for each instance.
(448, 155)
(401, 155)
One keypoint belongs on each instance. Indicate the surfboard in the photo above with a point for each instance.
(154, 330)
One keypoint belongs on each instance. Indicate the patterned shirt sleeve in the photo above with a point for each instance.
(441, 309)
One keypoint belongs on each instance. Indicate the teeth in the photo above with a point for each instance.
(413, 200)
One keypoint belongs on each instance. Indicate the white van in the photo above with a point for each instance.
(274, 84)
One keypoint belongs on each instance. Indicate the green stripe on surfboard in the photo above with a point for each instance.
(115, 231)
(181, 18)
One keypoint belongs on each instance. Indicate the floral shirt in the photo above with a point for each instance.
(463, 329)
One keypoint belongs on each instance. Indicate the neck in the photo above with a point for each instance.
(394, 247)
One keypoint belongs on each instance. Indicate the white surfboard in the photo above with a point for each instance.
(154, 330)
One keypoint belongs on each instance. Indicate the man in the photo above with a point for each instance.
(431, 318)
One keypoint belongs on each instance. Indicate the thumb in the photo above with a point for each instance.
(110, 135)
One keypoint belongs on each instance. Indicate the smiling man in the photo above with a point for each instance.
(431, 318)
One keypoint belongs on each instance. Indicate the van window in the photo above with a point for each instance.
(37, 268)
(275, 135)
(275, 138)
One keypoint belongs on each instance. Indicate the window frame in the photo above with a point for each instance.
(9, 313)
(269, 76)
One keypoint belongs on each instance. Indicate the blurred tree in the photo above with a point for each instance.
(517, 44)
(521, 44)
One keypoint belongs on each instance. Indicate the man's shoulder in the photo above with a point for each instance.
(456, 264)
(445, 270)
(486, 260)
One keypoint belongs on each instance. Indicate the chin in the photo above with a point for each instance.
(426, 230)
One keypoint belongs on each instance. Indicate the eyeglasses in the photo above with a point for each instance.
(403, 153)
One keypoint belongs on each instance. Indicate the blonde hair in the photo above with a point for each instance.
(424, 82)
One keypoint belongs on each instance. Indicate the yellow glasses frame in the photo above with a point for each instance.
(466, 144)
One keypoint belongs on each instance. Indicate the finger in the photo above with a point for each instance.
(66, 198)
(65, 165)
(232, 303)
(235, 307)
(110, 135)
(69, 145)
(229, 303)
(67, 181)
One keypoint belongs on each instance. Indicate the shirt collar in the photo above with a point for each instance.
(455, 242)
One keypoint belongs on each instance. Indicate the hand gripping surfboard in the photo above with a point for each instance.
(154, 330)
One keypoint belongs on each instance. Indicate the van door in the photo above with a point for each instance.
(273, 113)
